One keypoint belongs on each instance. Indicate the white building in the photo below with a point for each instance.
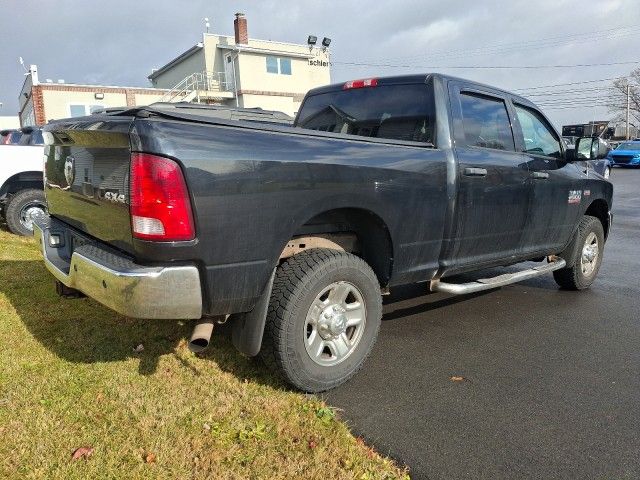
(244, 72)
(40, 102)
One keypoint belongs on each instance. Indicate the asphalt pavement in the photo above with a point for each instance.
(551, 378)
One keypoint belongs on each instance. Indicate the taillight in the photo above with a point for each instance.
(367, 82)
(159, 200)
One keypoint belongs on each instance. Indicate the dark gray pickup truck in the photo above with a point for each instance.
(294, 232)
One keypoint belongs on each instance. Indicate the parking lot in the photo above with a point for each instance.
(551, 378)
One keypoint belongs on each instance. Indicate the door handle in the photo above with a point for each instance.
(540, 175)
(475, 172)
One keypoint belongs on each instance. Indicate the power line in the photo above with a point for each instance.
(533, 43)
(566, 84)
(566, 92)
(486, 67)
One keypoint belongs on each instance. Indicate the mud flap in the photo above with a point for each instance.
(248, 327)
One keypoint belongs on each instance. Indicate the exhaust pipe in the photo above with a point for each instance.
(201, 336)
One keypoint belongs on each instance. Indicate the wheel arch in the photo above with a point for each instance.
(374, 242)
(599, 208)
(21, 181)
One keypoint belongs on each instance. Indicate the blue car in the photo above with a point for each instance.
(626, 154)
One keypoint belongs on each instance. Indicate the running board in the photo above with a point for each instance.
(499, 281)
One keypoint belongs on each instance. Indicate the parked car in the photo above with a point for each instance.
(602, 166)
(295, 232)
(21, 186)
(627, 154)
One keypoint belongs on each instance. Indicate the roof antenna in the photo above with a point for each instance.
(21, 61)
(206, 23)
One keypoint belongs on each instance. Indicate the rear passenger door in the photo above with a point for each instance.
(493, 194)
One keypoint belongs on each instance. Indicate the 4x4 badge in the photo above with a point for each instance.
(70, 170)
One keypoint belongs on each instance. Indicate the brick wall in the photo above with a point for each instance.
(38, 105)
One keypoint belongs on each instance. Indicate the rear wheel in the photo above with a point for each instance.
(585, 256)
(23, 208)
(323, 319)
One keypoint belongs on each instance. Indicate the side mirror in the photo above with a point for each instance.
(591, 148)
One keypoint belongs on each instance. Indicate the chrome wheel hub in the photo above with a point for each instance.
(332, 322)
(590, 252)
(31, 212)
(335, 323)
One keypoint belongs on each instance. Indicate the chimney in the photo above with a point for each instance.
(240, 28)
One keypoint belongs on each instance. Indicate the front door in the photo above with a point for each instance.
(493, 194)
(556, 193)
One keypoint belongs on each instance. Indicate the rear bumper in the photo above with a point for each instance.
(163, 292)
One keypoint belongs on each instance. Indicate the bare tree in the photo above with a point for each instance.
(618, 97)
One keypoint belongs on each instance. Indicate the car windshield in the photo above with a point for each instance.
(629, 146)
(14, 138)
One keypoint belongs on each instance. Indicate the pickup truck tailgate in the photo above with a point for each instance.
(87, 176)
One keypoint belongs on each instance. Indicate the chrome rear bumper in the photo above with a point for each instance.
(118, 283)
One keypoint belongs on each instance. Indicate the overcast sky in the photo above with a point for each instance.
(118, 42)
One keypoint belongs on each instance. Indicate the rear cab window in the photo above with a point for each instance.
(403, 112)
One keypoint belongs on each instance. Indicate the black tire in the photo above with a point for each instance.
(18, 205)
(573, 276)
(298, 283)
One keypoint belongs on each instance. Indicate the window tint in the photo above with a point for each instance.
(538, 136)
(76, 110)
(36, 138)
(14, 137)
(398, 112)
(486, 122)
(272, 64)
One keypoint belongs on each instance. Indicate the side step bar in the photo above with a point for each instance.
(499, 281)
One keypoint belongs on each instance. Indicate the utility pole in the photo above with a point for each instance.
(628, 106)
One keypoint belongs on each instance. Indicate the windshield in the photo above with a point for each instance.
(398, 112)
(629, 146)
(14, 138)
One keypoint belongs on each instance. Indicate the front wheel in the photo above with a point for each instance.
(585, 257)
(23, 208)
(323, 319)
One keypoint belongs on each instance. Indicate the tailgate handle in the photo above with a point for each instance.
(540, 175)
(475, 172)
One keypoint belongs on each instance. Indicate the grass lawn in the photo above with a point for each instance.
(70, 378)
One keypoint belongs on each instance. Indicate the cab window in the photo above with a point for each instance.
(538, 137)
(486, 122)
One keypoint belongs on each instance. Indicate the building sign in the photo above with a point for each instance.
(318, 63)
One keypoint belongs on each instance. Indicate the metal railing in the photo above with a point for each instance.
(190, 87)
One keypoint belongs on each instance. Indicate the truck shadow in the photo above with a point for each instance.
(83, 331)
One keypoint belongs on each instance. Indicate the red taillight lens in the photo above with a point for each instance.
(367, 82)
(160, 206)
